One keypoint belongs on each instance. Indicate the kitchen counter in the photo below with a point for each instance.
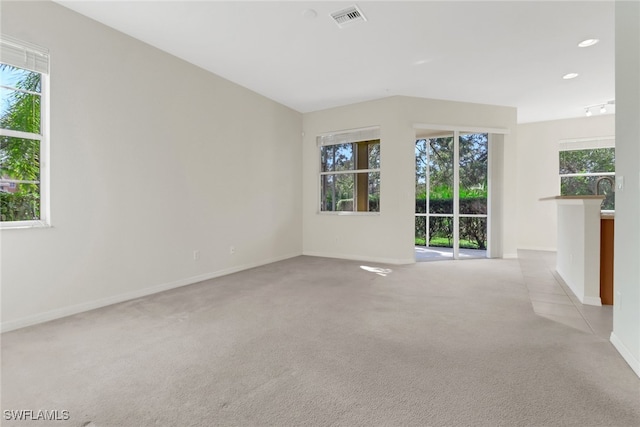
(587, 197)
(578, 256)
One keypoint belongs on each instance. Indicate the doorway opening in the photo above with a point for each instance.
(452, 193)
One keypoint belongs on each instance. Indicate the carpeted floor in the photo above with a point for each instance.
(314, 341)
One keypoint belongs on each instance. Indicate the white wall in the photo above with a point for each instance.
(578, 258)
(151, 159)
(537, 174)
(377, 238)
(626, 309)
(473, 117)
(389, 237)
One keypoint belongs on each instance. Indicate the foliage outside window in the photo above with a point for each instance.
(588, 172)
(21, 137)
(350, 177)
(434, 189)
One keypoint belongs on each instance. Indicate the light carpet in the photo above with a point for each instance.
(323, 342)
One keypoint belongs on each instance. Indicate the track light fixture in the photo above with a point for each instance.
(602, 106)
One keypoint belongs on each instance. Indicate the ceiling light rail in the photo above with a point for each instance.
(603, 107)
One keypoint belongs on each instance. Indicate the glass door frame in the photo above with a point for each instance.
(495, 140)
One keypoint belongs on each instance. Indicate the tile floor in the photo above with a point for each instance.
(552, 298)
(439, 254)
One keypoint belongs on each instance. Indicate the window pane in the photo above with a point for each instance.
(344, 192)
(19, 202)
(473, 173)
(421, 176)
(326, 158)
(588, 161)
(337, 192)
(336, 157)
(19, 159)
(350, 192)
(421, 231)
(473, 233)
(440, 160)
(586, 185)
(441, 231)
(19, 78)
(374, 156)
(374, 191)
(327, 197)
(19, 111)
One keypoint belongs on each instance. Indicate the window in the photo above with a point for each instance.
(23, 102)
(350, 172)
(587, 167)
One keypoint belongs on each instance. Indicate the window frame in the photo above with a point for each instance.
(582, 144)
(39, 56)
(355, 136)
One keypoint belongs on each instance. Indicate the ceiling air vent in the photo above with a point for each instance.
(348, 16)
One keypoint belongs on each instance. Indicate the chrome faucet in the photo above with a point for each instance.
(608, 178)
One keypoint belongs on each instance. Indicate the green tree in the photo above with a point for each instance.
(435, 164)
(474, 158)
(20, 157)
(588, 161)
(338, 190)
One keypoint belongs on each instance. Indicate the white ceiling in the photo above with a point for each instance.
(511, 53)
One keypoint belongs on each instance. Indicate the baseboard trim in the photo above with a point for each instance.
(584, 299)
(536, 248)
(395, 261)
(59, 313)
(625, 353)
(592, 301)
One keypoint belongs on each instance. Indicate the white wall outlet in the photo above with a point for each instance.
(196, 254)
(232, 250)
(619, 183)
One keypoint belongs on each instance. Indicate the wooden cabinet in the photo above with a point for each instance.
(606, 259)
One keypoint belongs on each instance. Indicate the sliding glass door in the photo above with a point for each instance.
(451, 195)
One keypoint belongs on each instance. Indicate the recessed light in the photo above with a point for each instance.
(570, 76)
(310, 14)
(421, 61)
(588, 42)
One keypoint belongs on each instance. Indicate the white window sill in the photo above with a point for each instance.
(348, 213)
(17, 225)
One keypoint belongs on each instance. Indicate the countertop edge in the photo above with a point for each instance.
(587, 197)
